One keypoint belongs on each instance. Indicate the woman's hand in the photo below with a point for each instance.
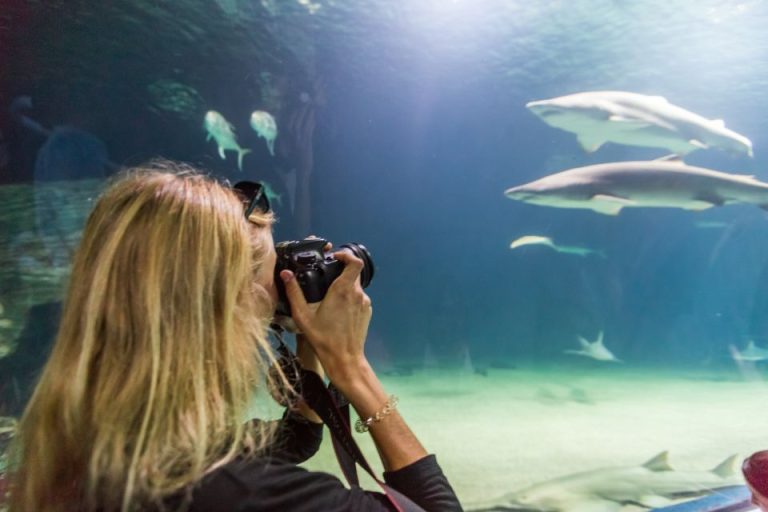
(336, 327)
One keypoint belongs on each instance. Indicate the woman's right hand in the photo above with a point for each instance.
(335, 327)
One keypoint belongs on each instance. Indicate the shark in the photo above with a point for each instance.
(664, 183)
(265, 126)
(594, 350)
(650, 485)
(223, 133)
(636, 120)
(750, 353)
(547, 241)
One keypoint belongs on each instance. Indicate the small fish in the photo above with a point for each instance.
(265, 126)
(595, 350)
(223, 133)
(271, 194)
(546, 241)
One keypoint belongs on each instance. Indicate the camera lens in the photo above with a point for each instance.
(361, 252)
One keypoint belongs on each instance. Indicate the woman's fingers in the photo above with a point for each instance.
(299, 307)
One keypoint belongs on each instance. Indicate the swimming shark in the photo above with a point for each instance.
(636, 120)
(223, 133)
(546, 241)
(594, 350)
(750, 353)
(666, 182)
(650, 485)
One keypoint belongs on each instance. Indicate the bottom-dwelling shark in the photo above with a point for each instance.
(750, 353)
(594, 350)
(653, 484)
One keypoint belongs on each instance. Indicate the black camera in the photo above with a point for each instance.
(314, 268)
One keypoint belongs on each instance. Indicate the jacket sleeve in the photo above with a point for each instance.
(289, 488)
(296, 438)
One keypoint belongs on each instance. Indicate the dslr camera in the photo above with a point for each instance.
(314, 268)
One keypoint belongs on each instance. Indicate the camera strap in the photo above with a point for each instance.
(333, 409)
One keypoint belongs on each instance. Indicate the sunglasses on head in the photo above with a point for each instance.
(253, 195)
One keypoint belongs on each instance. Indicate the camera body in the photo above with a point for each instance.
(314, 268)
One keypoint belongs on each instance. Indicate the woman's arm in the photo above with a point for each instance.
(336, 329)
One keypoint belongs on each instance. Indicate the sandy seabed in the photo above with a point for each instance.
(497, 433)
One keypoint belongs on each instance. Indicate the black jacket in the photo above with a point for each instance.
(273, 482)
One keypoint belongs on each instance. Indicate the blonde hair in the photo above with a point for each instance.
(162, 342)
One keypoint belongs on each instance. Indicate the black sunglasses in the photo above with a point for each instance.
(254, 196)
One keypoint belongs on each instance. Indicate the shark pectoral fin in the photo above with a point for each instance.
(704, 202)
(659, 463)
(221, 152)
(575, 352)
(609, 205)
(590, 144)
(208, 138)
(698, 144)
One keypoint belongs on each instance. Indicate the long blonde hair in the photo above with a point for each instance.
(162, 342)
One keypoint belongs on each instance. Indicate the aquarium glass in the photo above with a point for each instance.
(531, 329)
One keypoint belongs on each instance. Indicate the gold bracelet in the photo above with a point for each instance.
(362, 425)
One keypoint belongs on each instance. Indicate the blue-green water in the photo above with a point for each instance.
(415, 113)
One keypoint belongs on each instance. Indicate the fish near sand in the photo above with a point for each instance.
(594, 350)
(265, 126)
(636, 120)
(653, 484)
(546, 241)
(223, 133)
(663, 183)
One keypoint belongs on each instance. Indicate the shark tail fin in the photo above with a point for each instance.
(240, 154)
(659, 463)
(727, 467)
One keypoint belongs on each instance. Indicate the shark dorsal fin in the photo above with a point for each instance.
(727, 467)
(671, 158)
(750, 344)
(659, 463)
(600, 339)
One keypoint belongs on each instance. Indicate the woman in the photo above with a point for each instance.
(162, 342)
